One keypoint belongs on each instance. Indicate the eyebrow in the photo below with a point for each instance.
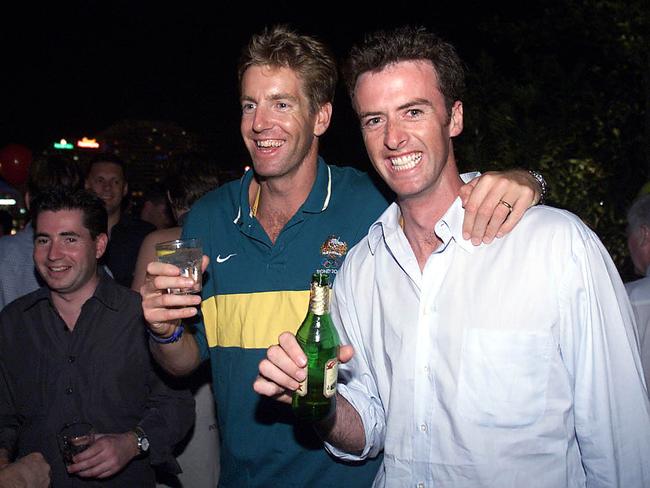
(69, 233)
(404, 106)
(417, 101)
(275, 96)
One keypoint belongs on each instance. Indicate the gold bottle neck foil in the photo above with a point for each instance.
(319, 302)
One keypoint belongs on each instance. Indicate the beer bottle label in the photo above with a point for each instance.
(329, 378)
(302, 387)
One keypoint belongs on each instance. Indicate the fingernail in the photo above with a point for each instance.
(301, 375)
(465, 235)
(476, 241)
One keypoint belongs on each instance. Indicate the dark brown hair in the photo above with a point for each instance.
(407, 43)
(312, 61)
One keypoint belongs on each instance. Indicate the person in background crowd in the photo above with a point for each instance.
(502, 366)
(289, 216)
(76, 350)
(155, 207)
(31, 471)
(190, 177)
(18, 276)
(107, 179)
(638, 243)
(6, 223)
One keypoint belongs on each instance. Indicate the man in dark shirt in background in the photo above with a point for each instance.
(107, 179)
(17, 273)
(76, 351)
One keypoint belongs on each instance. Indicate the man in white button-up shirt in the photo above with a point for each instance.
(638, 242)
(508, 365)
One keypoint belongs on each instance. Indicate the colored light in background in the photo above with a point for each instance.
(63, 144)
(7, 201)
(88, 143)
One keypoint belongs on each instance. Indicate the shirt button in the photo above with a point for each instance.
(423, 427)
(426, 369)
(71, 359)
(420, 485)
(69, 390)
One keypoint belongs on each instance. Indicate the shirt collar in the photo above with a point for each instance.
(317, 201)
(450, 226)
(105, 292)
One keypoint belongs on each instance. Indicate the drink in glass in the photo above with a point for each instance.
(185, 254)
(74, 438)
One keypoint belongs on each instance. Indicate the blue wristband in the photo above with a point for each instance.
(175, 337)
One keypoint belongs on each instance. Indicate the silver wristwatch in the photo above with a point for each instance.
(143, 440)
(542, 184)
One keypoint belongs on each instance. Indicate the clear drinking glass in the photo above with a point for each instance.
(186, 254)
(74, 438)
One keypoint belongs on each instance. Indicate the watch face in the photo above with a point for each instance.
(144, 444)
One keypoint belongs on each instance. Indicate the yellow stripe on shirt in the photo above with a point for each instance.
(253, 320)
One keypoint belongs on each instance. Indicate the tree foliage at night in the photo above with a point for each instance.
(565, 90)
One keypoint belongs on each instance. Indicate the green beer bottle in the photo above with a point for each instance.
(315, 398)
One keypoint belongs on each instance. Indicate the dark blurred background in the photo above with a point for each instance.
(562, 87)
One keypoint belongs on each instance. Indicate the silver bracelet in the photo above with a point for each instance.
(542, 183)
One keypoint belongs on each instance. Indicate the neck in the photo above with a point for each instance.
(68, 305)
(420, 214)
(276, 200)
(113, 218)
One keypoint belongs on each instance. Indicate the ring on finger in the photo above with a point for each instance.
(507, 205)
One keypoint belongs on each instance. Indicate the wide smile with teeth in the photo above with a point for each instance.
(408, 161)
(58, 269)
(269, 143)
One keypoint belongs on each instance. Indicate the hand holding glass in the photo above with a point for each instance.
(186, 254)
(75, 438)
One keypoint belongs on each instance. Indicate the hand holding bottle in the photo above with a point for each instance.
(281, 372)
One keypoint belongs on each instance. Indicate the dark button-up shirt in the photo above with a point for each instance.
(100, 372)
(123, 247)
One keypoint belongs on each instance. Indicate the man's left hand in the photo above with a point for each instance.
(495, 201)
(106, 456)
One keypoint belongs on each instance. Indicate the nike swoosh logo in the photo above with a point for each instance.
(223, 260)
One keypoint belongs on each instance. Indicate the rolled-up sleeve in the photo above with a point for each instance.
(356, 381)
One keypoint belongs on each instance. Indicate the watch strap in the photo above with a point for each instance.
(542, 184)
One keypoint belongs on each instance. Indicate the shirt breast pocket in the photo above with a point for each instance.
(503, 376)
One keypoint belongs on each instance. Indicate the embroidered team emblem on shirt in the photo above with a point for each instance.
(333, 251)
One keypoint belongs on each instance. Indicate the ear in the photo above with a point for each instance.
(643, 236)
(456, 121)
(323, 118)
(100, 245)
(126, 189)
(28, 199)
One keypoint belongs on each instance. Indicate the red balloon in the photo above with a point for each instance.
(14, 163)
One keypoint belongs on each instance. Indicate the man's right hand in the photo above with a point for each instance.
(31, 471)
(284, 368)
(164, 311)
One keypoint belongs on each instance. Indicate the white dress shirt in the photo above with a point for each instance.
(639, 293)
(508, 365)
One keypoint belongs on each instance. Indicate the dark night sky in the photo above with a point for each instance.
(76, 68)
